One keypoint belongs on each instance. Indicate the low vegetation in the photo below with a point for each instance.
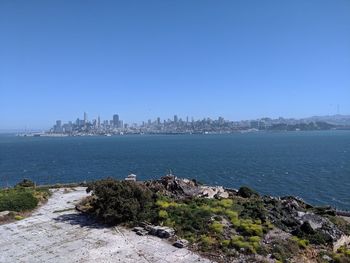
(23, 198)
(227, 227)
(121, 201)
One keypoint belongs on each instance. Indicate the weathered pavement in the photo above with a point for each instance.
(57, 233)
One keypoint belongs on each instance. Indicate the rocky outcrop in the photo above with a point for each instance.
(342, 241)
(177, 187)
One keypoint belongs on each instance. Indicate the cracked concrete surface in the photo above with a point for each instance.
(57, 233)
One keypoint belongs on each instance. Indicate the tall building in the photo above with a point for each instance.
(98, 122)
(58, 126)
(176, 118)
(85, 118)
(158, 121)
(116, 120)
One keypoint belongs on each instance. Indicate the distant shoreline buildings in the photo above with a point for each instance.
(176, 125)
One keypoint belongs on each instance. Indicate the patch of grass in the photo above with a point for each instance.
(165, 204)
(302, 243)
(342, 255)
(283, 250)
(163, 214)
(226, 203)
(217, 227)
(231, 214)
(18, 217)
(250, 228)
(225, 243)
(207, 242)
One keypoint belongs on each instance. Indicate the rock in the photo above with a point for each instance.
(315, 221)
(4, 213)
(174, 186)
(222, 193)
(142, 232)
(213, 192)
(181, 243)
(208, 192)
(343, 240)
(327, 258)
(162, 232)
(137, 229)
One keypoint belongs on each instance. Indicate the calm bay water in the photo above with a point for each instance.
(312, 165)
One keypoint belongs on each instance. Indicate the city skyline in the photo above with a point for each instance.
(114, 118)
(178, 125)
(236, 59)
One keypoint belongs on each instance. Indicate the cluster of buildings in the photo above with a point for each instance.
(84, 126)
(178, 125)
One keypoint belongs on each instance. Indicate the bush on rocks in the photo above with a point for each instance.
(247, 192)
(118, 202)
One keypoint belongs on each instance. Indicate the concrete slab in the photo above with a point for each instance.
(57, 233)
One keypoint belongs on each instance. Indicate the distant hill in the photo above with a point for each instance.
(331, 119)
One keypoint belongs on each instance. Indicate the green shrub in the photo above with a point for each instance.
(217, 227)
(302, 243)
(254, 209)
(163, 214)
(207, 242)
(283, 250)
(237, 238)
(255, 239)
(247, 192)
(342, 255)
(238, 244)
(17, 200)
(217, 210)
(225, 243)
(251, 229)
(226, 203)
(121, 201)
(25, 183)
(231, 214)
(165, 204)
(318, 237)
(236, 222)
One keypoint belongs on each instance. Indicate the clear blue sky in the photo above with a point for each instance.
(143, 59)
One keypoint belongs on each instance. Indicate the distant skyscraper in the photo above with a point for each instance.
(85, 118)
(98, 122)
(116, 120)
(58, 126)
(158, 121)
(176, 118)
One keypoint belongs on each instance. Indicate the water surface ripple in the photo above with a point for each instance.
(312, 165)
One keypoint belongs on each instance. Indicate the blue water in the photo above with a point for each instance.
(311, 165)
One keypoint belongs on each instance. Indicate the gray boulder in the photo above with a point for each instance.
(181, 243)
